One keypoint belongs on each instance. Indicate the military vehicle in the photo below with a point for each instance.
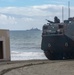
(58, 39)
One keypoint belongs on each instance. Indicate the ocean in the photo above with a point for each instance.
(26, 45)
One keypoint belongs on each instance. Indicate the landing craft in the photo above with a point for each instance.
(58, 39)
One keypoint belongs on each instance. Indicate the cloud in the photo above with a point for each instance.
(6, 19)
(29, 17)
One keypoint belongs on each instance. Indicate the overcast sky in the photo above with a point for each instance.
(27, 14)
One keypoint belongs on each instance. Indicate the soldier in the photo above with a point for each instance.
(56, 19)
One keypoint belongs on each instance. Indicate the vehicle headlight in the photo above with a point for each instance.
(66, 44)
(49, 45)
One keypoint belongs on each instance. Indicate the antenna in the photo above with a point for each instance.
(62, 13)
(68, 9)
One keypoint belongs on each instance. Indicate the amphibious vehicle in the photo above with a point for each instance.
(58, 39)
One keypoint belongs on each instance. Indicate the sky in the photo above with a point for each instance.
(27, 14)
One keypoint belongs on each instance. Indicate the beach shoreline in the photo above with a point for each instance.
(37, 67)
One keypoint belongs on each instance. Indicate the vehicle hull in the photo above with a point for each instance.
(57, 47)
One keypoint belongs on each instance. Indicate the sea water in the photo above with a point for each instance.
(26, 45)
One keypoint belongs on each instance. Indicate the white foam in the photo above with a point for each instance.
(27, 55)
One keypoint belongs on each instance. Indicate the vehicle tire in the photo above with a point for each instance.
(53, 55)
(49, 55)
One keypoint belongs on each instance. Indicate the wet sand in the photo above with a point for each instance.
(37, 67)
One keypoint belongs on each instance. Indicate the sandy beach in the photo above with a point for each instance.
(37, 67)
